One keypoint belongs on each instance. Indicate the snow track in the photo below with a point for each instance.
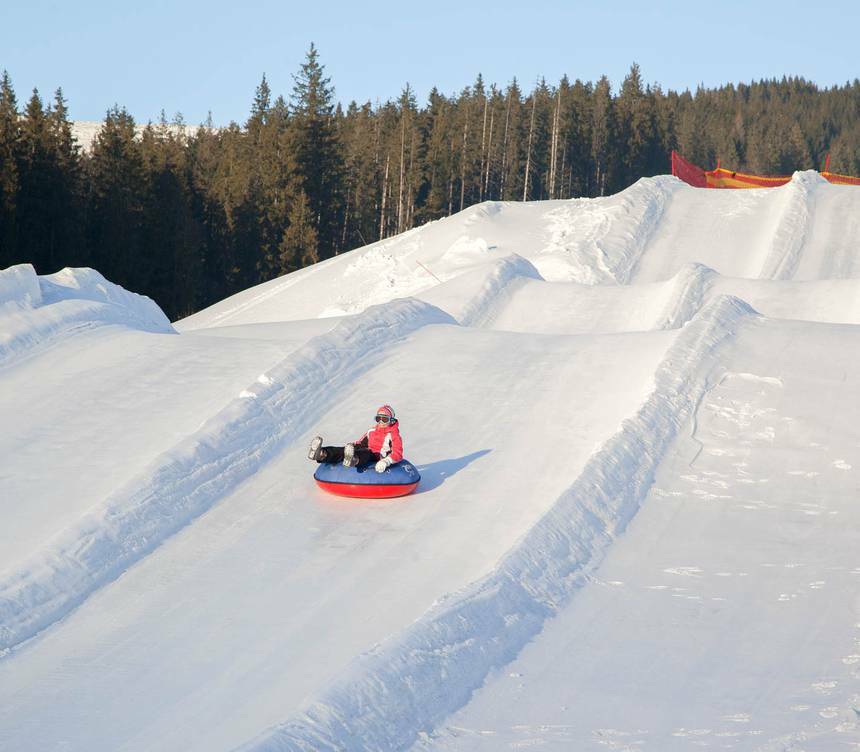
(418, 678)
(189, 478)
(790, 234)
(601, 240)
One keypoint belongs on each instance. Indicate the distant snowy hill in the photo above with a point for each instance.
(85, 131)
(636, 420)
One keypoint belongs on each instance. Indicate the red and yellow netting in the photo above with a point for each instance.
(723, 178)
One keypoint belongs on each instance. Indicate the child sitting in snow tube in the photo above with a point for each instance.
(380, 447)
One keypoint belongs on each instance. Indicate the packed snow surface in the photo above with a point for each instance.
(636, 420)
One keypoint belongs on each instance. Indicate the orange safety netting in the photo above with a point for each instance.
(723, 178)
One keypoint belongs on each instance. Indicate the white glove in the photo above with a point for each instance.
(382, 465)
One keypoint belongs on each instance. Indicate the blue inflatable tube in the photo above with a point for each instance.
(400, 479)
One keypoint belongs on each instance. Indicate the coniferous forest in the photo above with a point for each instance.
(191, 219)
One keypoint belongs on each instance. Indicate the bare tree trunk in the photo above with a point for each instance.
(529, 149)
(570, 184)
(345, 220)
(384, 196)
(483, 146)
(561, 179)
(463, 162)
(451, 181)
(505, 148)
(410, 191)
(489, 155)
(400, 186)
(553, 160)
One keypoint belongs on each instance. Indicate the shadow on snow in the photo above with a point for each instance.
(436, 473)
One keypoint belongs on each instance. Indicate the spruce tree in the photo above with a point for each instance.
(316, 149)
(602, 137)
(66, 199)
(298, 247)
(35, 182)
(637, 143)
(116, 204)
(10, 134)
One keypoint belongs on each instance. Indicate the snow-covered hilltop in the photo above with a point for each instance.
(85, 131)
(637, 427)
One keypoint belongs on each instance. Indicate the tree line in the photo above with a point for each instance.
(191, 219)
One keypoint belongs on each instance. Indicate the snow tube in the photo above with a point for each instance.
(365, 483)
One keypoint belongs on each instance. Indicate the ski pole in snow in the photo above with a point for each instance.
(428, 271)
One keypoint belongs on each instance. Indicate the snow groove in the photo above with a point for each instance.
(789, 235)
(416, 679)
(188, 479)
(604, 238)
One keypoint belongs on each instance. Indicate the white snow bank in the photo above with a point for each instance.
(36, 309)
(600, 240)
(189, 478)
(88, 284)
(20, 285)
(419, 677)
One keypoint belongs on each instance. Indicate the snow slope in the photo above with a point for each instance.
(636, 425)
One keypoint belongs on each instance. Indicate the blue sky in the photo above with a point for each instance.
(193, 57)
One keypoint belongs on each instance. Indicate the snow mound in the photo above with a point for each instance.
(34, 309)
(19, 286)
(87, 284)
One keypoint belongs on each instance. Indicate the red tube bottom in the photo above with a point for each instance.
(361, 491)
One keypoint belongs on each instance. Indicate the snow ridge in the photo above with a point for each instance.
(189, 478)
(501, 273)
(688, 290)
(419, 677)
(790, 233)
(35, 310)
(603, 238)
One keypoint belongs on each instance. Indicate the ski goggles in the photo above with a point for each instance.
(384, 419)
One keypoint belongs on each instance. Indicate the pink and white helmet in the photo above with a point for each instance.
(385, 414)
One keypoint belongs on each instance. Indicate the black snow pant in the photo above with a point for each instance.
(334, 455)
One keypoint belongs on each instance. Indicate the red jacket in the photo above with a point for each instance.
(384, 440)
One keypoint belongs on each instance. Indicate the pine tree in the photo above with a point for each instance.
(637, 129)
(66, 198)
(259, 109)
(10, 134)
(576, 130)
(317, 150)
(602, 135)
(35, 181)
(438, 124)
(512, 153)
(299, 243)
(171, 233)
(116, 203)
